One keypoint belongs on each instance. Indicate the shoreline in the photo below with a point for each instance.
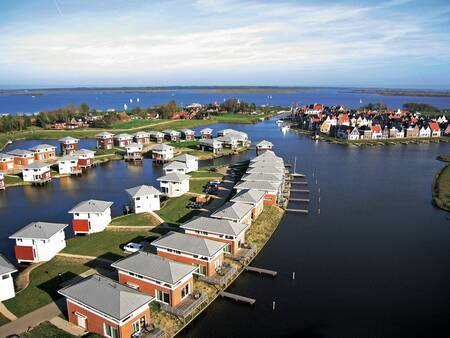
(440, 190)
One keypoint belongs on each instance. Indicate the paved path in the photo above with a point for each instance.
(6, 313)
(67, 326)
(32, 319)
(23, 278)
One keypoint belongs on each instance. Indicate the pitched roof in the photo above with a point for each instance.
(19, 152)
(91, 206)
(206, 131)
(135, 145)
(263, 177)
(124, 135)
(257, 185)
(162, 147)
(264, 143)
(5, 156)
(190, 244)
(270, 164)
(37, 165)
(42, 146)
(185, 157)
(248, 196)
(104, 134)
(232, 210)
(6, 266)
(265, 170)
(210, 142)
(68, 139)
(141, 134)
(155, 267)
(67, 158)
(175, 165)
(83, 152)
(106, 296)
(174, 177)
(39, 230)
(215, 225)
(143, 190)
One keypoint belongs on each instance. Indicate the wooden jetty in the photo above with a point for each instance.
(298, 199)
(297, 175)
(299, 190)
(261, 271)
(300, 183)
(237, 298)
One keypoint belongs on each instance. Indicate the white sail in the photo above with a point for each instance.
(125, 106)
(131, 100)
(138, 100)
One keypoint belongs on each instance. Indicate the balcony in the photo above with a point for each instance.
(244, 254)
(222, 277)
(134, 157)
(187, 306)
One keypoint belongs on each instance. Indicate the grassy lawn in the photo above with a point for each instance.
(205, 173)
(107, 244)
(12, 179)
(441, 189)
(179, 124)
(197, 186)
(187, 144)
(142, 219)
(3, 320)
(175, 210)
(45, 282)
(140, 123)
(48, 330)
(265, 224)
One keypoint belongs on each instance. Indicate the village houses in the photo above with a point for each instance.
(235, 212)
(162, 153)
(91, 216)
(141, 137)
(213, 145)
(206, 133)
(44, 152)
(37, 173)
(6, 162)
(122, 140)
(68, 165)
(144, 198)
(105, 140)
(174, 184)
(134, 152)
(21, 157)
(190, 161)
(68, 145)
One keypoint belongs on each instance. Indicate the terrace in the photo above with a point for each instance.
(187, 306)
(245, 253)
(222, 277)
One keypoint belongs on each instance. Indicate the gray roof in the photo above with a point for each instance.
(234, 211)
(5, 156)
(155, 267)
(270, 164)
(42, 146)
(135, 145)
(104, 134)
(37, 165)
(175, 165)
(171, 131)
(187, 130)
(264, 143)
(190, 244)
(185, 157)
(67, 158)
(257, 185)
(206, 131)
(122, 136)
(174, 177)
(267, 156)
(143, 190)
(6, 266)
(155, 133)
(84, 152)
(141, 134)
(248, 196)
(210, 142)
(20, 152)
(215, 225)
(106, 296)
(161, 147)
(68, 139)
(39, 230)
(265, 170)
(91, 206)
(263, 177)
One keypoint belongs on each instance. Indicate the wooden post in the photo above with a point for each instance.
(273, 306)
(293, 275)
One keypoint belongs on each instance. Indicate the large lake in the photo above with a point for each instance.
(374, 263)
(104, 99)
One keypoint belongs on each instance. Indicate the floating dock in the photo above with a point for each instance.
(301, 211)
(297, 175)
(261, 271)
(299, 190)
(237, 298)
(299, 200)
(300, 183)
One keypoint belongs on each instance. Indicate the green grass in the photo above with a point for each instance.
(265, 225)
(48, 330)
(140, 123)
(107, 244)
(186, 144)
(3, 320)
(206, 174)
(142, 219)
(444, 158)
(12, 179)
(175, 211)
(45, 282)
(179, 124)
(197, 186)
(441, 189)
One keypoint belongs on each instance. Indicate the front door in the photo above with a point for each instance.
(81, 321)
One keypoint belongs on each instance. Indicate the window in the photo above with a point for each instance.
(185, 291)
(162, 296)
(5, 276)
(136, 327)
(227, 248)
(111, 332)
(201, 269)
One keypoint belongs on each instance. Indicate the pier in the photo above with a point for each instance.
(301, 211)
(300, 190)
(237, 298)
(299, 200)
(300, 183)
(261, 271)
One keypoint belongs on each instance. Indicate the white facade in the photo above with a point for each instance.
(174, 184)
(36, 173)
(425, 132)
(191, 162)
(162, 152)
(68, 165)
(97, 220)
(6, 287)
(43, 249)
(144, 198)
(175, 167)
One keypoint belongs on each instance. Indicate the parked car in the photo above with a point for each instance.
(133, 247)
(214, 182)
(194, 205)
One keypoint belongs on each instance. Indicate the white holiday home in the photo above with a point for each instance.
(37, 173)
(144, 198)
(91, 216)
(190, 161)
(6, 281)
(39, 242)
(174, 184)
(68, 165)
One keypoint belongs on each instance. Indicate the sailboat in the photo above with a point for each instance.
(137, 100)
(125, 107)
(360, 101)
(131, 100)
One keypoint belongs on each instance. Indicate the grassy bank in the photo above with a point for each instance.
(441, 189)
(143, 219)
(175, 210)
(197, 186)
(45, 282)
(48, 330)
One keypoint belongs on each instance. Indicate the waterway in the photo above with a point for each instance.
(108, 99)
(374, 263)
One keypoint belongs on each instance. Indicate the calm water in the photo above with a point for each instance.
(374, 263)
(115, 100)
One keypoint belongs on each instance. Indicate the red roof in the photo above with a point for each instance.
(376, 128)
(434, 126)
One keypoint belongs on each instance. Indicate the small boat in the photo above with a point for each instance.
(138, 100)
(279, 122)
(285, 129)
(131, 100)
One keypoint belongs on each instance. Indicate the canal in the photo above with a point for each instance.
(374, 263)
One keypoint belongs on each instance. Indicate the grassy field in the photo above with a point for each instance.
(175, 210)
(45, 282)
(441, 189)
(13, 180)
(48, 330)
(197, 186)
(135, 124)
(238, 118)
(265, 225)
(142, 219)
(3, 320)
(204, 173)
(107, 244)
(187, 144)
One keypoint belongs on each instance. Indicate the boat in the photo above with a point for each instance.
(131, 100)
(285, 129)
(279, 122)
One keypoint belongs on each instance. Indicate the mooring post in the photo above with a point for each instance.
(273, 306)
(318, 211)
(293, 275)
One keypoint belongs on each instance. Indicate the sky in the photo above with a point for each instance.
(392, 43)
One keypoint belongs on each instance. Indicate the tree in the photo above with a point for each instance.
(84, 108)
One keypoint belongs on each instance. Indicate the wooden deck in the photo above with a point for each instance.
(222, 279)
(187, 306)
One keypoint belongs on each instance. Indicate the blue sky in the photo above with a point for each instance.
(395, 43)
